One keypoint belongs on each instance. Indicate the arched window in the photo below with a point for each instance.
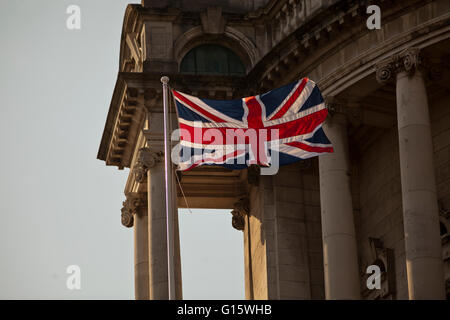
(212, 59)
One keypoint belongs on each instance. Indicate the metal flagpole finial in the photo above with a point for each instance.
(165, 80)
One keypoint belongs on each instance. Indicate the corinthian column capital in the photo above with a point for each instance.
(409, 61)
(131, 206)
(147, 159)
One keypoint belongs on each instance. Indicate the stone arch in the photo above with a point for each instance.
(232, 39)
(130, 24)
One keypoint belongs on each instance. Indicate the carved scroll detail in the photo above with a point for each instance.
(147, 159)
(241, 209)
(131, 206)
(408, 61)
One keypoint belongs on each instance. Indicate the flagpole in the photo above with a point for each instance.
(168, 189)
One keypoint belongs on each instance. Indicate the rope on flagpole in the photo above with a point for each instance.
(184, 196)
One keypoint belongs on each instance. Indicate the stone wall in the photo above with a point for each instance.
(379, 212)
(377, 192)
(440, 129)
(286, 243)
(256, 254)
(299, 240)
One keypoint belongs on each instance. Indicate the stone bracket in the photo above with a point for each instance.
(241, 209)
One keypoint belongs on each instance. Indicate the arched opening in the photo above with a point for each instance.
(212, 59)
(212, 255)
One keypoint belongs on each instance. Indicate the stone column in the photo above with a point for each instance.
(134, 213)
(420, 207)
(338, 229)
(157, 228)
(240, 221)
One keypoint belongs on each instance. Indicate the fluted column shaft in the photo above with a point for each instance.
(338, 230)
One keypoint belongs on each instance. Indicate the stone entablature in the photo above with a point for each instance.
(138, 94)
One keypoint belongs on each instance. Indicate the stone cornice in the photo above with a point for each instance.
(185, 82)
(315, 39)
(136, 94)
(124, 121)
(359, 67)
(297, 42)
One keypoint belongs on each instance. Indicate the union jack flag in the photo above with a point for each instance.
(286, 122)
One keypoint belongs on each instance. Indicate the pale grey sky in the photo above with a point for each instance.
(59, 205)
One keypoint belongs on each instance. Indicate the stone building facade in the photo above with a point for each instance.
(310, 232)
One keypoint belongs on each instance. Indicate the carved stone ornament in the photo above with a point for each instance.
(133, 202)
(146, 159)
(384, 258)
(140, 172)
(127, 217)
(241, 209)
(384, 73)
(407, 61)
(411, 60)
